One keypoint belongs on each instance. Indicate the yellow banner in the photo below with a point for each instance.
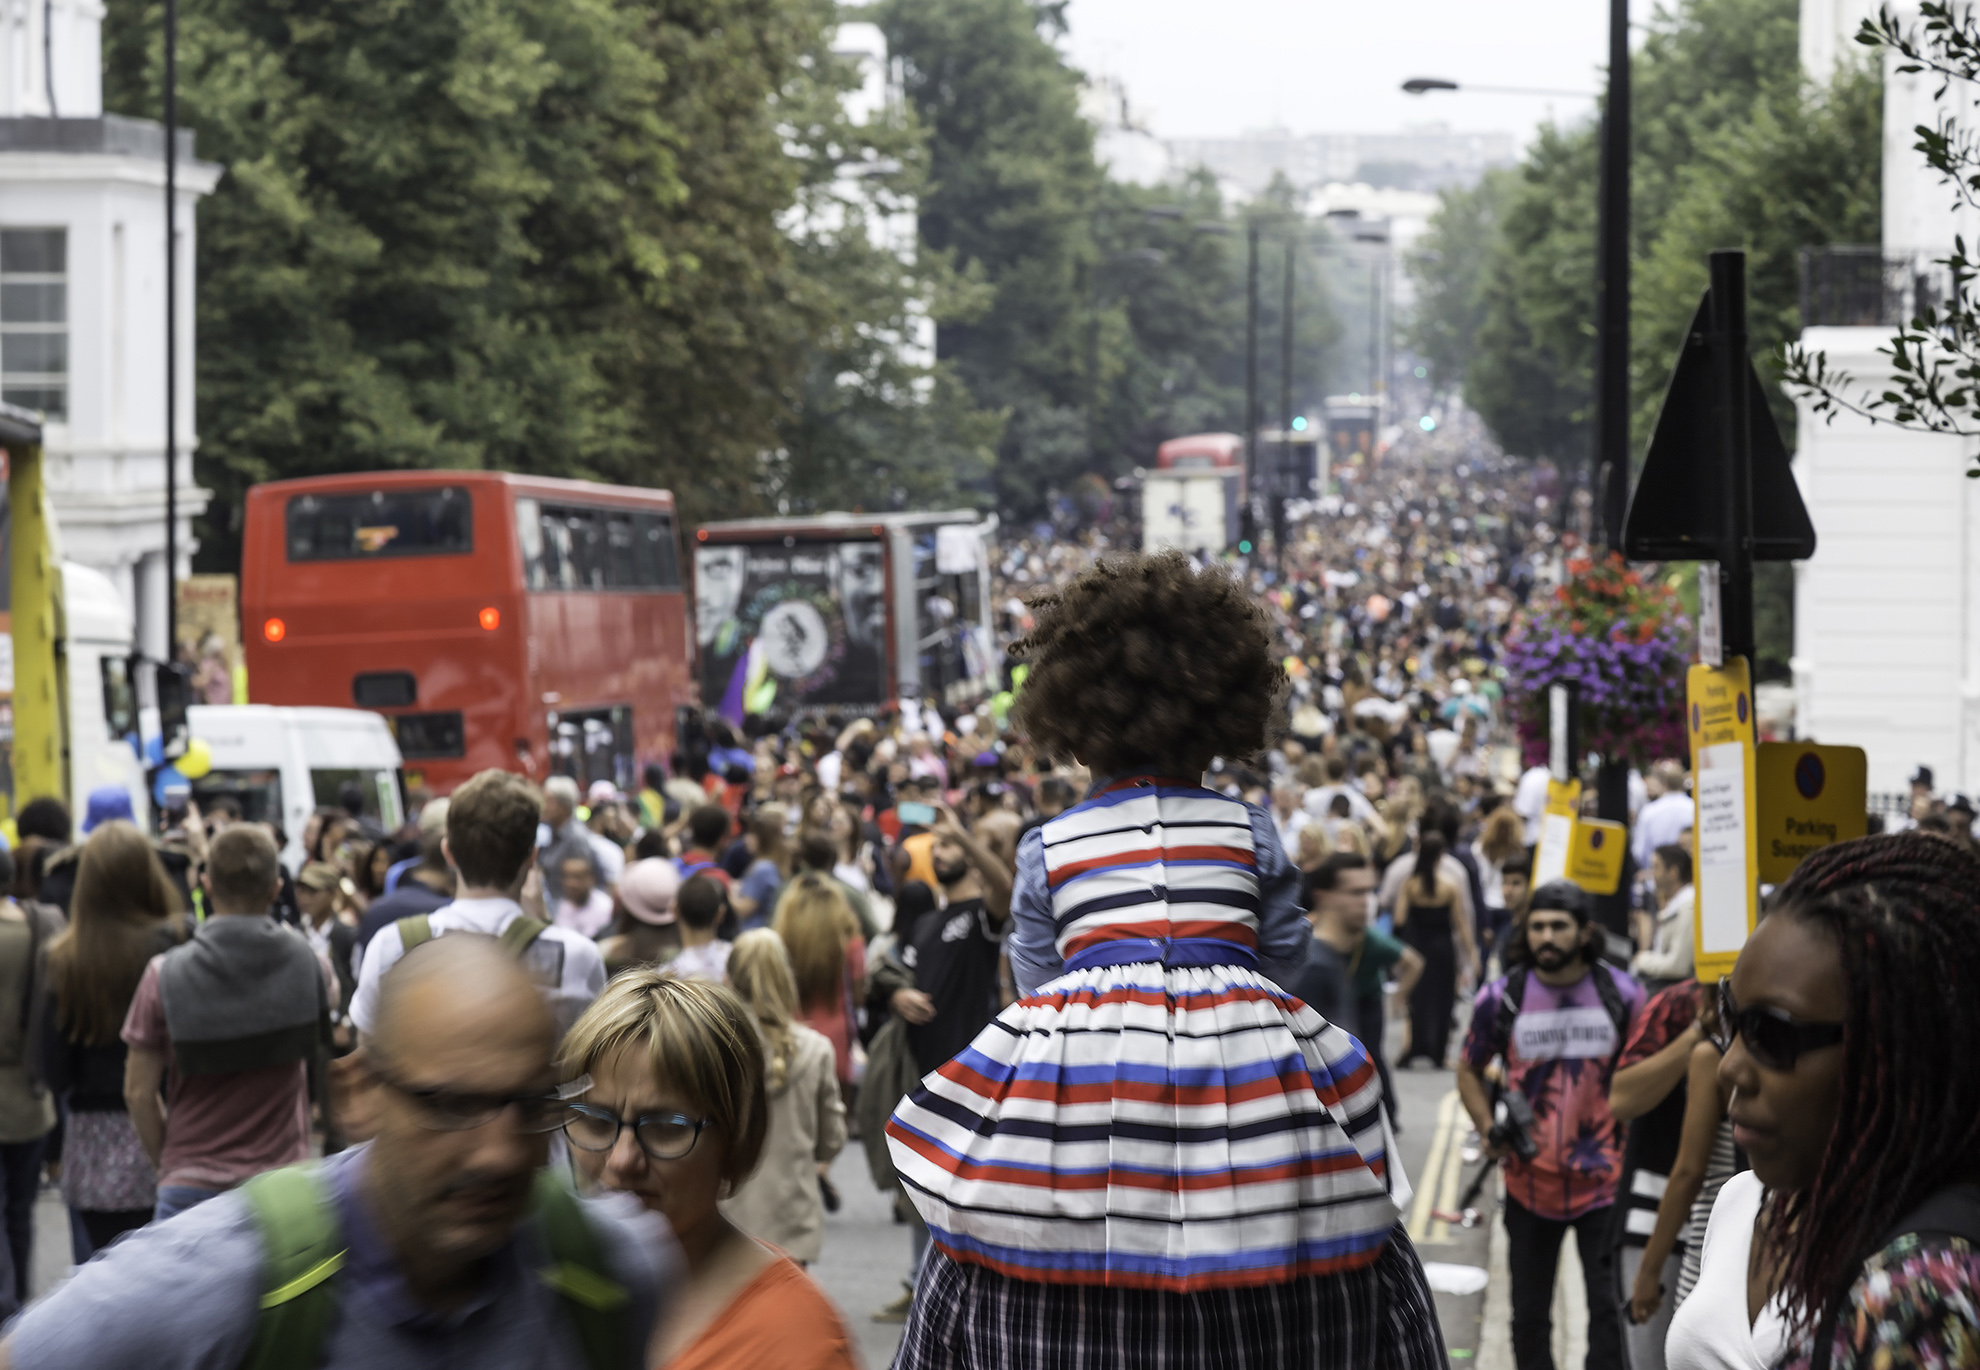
(1725, 833)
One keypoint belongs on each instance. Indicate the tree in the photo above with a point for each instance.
(1935, 354)
(1448, 269)
(1013, 188)
(546, 235)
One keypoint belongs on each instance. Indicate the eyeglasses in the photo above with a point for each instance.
(440, 1109)
(663, 1136)
(1775, 1040)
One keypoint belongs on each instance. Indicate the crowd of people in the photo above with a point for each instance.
(1103, 974)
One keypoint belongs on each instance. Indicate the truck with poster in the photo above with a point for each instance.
(849, 612)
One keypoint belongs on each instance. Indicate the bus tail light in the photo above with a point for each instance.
(274, 630)
(491, 618)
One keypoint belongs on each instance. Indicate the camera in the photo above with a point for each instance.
(1512, 1125)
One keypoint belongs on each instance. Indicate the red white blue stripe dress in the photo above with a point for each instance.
(1160, 1115)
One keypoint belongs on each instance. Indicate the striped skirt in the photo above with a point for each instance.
(1180, 1129)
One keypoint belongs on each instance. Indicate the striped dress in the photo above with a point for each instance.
(1159, 1116)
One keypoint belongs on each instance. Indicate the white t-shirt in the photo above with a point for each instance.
(565, 965)
(1709, 1331)
(1530, 800)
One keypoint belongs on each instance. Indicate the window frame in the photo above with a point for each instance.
(13, 382)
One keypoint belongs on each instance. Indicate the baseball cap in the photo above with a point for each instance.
(319, 875)
(647, 889)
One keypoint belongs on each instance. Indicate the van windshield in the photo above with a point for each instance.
(376, 790)
(259, 793)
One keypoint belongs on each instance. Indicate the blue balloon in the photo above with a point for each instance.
(169, 779)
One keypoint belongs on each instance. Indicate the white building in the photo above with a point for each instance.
(1887, 613)
(82, 298)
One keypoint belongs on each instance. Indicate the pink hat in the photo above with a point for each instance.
(647, 889)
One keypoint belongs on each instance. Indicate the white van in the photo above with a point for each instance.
(280, 764)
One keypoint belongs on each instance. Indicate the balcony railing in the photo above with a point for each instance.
(1867, 287)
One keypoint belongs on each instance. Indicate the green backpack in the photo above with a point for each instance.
(516, 938)
(297, 1217)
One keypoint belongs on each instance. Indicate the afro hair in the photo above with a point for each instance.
(1144, 661)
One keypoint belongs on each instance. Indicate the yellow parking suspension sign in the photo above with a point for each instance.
(1595, 856)
(1810, 797)
(1725, 832)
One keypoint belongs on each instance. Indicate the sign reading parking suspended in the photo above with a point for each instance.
(1725, 833)
(1810, 797)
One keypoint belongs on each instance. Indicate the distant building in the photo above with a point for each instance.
(82, 299)
(1425, 158)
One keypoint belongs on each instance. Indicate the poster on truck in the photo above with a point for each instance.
(781, 628)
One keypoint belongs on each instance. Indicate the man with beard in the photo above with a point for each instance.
(953, 949)
(1558, 1025)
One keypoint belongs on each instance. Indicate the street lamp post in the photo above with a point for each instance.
(171, 329)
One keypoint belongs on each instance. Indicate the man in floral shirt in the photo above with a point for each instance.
(1558, 1027)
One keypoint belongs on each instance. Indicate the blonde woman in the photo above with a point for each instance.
(676, 1116)
(782, 1203)
(828, 957)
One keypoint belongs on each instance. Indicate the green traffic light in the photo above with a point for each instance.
(1299, 424)
(1245, 547)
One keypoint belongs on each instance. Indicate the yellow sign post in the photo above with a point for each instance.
(1810, 797)
(1595, 856)
(1725, 833)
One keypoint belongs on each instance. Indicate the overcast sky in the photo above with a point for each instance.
(1208, 70)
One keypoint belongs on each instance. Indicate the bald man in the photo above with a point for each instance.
(442, 1246)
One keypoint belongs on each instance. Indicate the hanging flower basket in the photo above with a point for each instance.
(1625, 643)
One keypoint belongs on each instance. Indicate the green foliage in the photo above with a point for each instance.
(1731, 148)
(1448, 269)
(547, 235)
(1803, 168)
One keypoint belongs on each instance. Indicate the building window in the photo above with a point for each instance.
(34, 319)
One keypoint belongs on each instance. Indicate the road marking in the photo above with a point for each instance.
(1442, 1143)
(1453, 1177)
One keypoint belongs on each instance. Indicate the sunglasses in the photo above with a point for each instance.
(1775, 1040)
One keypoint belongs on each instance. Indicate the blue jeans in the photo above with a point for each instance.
(174, 1199)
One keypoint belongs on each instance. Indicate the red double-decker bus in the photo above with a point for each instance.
(496, 620)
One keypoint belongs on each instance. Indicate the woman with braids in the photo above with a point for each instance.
(1853, 1016)
(1156, 1154)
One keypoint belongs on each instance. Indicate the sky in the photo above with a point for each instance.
(1217, 70)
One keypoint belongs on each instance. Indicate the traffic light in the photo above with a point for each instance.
(1299, 423)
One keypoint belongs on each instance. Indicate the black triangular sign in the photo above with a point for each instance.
(1676, 512)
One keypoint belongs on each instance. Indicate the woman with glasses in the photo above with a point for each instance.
(1850, 1021)
(676, 1116)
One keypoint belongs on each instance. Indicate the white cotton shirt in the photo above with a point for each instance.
(1709, 1331)
(565, 965)
(1662, 821)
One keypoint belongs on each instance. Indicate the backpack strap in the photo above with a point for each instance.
(303, 1249)
(594, 1302)
(413, 930)
(521, 932)
(1510, 999)
(1612, 1003)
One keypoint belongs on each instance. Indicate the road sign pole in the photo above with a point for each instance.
(1248, 520)
(1732, 400)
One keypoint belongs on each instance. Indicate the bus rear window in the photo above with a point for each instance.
(591, 547)
(429, 737)
(438, 521)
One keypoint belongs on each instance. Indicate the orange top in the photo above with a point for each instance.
(780, 1321)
